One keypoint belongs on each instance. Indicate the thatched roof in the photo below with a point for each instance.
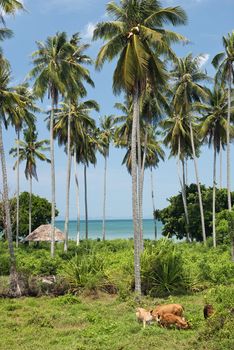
(43, 234)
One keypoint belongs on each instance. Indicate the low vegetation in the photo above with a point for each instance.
(94, 305)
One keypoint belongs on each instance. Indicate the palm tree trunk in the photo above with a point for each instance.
(141, 190)
(228, 144)
(135, 207)
(77, 200)
(153, 204)
(52, 178)
(104, 203)
(68, 180)
(182, 184)
(214, 188)
(139, 183)
(198, 184)
(14, 284)
(30, 206)
(221, 164)
(17, 191)
(86, 204)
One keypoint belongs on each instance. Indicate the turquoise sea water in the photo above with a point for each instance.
(114, 229)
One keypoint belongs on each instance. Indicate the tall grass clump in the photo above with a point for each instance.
(163, 271)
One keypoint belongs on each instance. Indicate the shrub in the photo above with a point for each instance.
(162, 270)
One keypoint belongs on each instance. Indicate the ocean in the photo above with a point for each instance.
(114, 229)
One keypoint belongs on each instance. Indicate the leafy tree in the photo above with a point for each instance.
(41, 213)
(173, 217)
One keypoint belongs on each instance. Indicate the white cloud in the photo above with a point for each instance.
(204, 59)
(88, 31)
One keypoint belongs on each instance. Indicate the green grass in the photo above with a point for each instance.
(86, 323)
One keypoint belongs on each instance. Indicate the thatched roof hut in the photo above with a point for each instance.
(43, 234)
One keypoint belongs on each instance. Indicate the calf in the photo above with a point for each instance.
(167, 319)
(143, 316)
(175, 309)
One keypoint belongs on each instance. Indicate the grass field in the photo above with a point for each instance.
(85, 323)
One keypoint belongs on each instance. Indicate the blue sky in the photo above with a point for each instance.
(208, 21)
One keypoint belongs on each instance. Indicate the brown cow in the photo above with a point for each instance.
(175, 309)
(208, 311)
(167, 319)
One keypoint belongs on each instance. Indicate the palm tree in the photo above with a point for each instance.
(9, 101)
(187, 75)
(70, 122)
(177, 137)
(134, 35)
(29, 151)
(23, 116)
(224, 62)
(213, 130)
(53, 70)
(105, 138)
(8, 7)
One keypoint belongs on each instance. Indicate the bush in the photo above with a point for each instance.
(163, 270)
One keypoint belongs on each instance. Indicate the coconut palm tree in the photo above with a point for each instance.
(9, 100)
(105, 136)
(29, 151)
(134, 36)
(70, 122)
(224, 63)
(213, 130)
(8, 7)
(177, 137)
(24, 116)
(187, 76)
(53, 70)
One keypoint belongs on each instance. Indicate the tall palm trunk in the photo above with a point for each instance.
(68, 180)
(52, 177)
(14, 284)
(214, 188)
(141, 190)
(139, 183)
(135, 207)
(182, 184)
(228, 144)
(198, 184)
(220, 167)
(86, 204)
(104, 202)
(30, 206)
(17, 190)
(153, 204)
(77, 200)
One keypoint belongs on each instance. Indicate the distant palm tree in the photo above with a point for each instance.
(224, 62)
(105, 137)
(24, 116)
(70, 122)
(213, 129)
(9, 102)
(177, 137)
(134, 36)
(30, 150)
(53, 68)
(187, 75)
